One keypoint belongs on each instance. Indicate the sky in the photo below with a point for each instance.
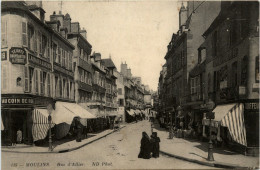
(135, 32)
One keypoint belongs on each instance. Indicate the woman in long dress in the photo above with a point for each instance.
(145, 149)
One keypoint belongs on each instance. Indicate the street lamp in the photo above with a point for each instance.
(210, 115)
(50, 109)
(171, 127)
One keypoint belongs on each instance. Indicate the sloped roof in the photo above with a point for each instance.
(108, 63)
(13, 5)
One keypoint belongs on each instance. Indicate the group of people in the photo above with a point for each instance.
(149, 146)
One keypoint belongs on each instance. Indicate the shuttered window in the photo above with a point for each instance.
(40, 41)
(36, 82)
(59, 51)
(41, 82)
(24, 33)
(26, 79)
(3, 33)
(48, 85)
(35, 41)
(4, 77)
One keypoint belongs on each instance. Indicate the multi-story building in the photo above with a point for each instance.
(181, 57)
(232, 72)
(120, 94)
(99, 85)
(36, 69)
(111, 88)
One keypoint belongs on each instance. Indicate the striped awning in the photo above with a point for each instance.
(234, 121)
(40, 125)
(232, 117)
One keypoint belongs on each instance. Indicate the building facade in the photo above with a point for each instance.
(34, 75)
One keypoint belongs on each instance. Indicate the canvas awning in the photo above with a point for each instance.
(130, 112)
(65, 112)
(232, 117)
(40, 124)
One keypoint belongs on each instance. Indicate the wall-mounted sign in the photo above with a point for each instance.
(17, 55)
(3, 55)
(17, 100)
(251, 106)
(39, 62)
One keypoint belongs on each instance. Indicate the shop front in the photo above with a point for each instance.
(26, 113)
(236, 125)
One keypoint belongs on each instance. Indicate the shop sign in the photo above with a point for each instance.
(39, 62)
(62, 70)
(17, 55)
(251, 106)
(3, 55)
(17, 101)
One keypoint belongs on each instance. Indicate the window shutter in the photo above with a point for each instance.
(40, 42)
(26, 79)
(4, 33)
(36, 81)
(4, 77)
(24, 33)
(41, 81)
(35, 41)
(48, 85)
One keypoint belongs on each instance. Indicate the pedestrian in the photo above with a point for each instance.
(155, 145)
(145, 149)
(19, 135)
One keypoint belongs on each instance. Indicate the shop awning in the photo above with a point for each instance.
(232, 117)
(65, 112)
(222, 110)
(40, 124)
(130, 112)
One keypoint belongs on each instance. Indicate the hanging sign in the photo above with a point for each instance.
(17, 55)
(3, 55)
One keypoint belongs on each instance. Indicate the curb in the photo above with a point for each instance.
(212, 164)
(71, 149)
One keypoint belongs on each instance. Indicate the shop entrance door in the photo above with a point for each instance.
(18, 122)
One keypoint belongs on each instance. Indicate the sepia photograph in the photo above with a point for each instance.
(129, 84)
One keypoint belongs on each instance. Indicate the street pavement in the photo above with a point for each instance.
(196, 151)
(116, 151)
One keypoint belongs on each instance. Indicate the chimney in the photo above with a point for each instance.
(97, 56)
(83, 32)
(124, 69)
(129, 74)
(75, 27)
(36, 8)
(183, 16)
(58, 17)
(67, 22)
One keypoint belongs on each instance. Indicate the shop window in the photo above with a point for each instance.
(4, 33)
(24, 33)
(257, 69)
